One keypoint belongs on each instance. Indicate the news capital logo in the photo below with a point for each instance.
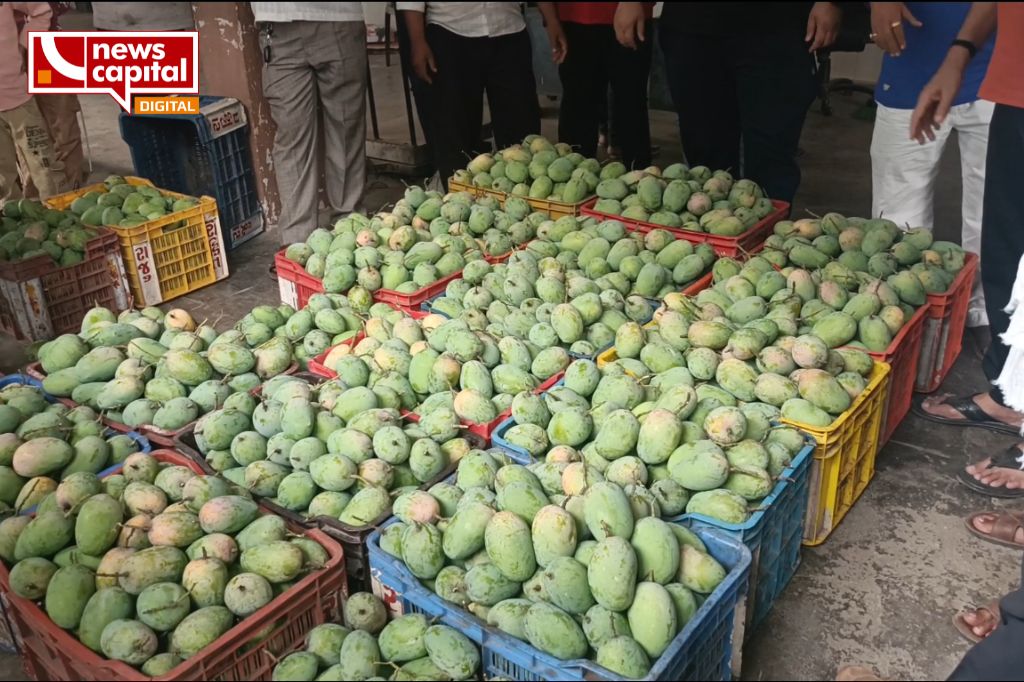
(116, 63)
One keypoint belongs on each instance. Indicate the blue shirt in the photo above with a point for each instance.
(903, 77)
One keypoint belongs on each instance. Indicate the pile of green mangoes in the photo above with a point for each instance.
(148, 368)
(580, 574)
(424, 238)
(572, 258)
(686, 198)
(327, 450)
(43, 445)
(29, 229)
(855, 250)
(151, 565)
(438, 367)
(537, 169)
(410, 647)
(647, 424)
(124, 205)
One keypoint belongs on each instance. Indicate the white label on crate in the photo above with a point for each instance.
(388, 596)
(122, 294)
(224, 116)
(289, 296)
(37, 309)
(149, 280)
(220, 258)
(246, 229)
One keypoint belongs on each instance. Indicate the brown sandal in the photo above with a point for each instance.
(966, 630)
(856, 673)
(1004, 528)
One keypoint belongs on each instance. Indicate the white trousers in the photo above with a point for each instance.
(903, 175)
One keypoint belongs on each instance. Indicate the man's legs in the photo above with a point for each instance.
(511, 89)
(61, 115)
(972, 123)
(457, 98)
(1000, 655)
(584, 87)
(35, 149)
(628, 72)
(10, 186)
(339, 57)
(702, 82)
(903, 172)
(290, 87)
(776, 81)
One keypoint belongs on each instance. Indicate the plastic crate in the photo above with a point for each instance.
(555, 209)
(351, 538)
(701, 651)
(724, 246)
(39, 300)
(201, 154)
(773, 534)
(902, 356)
(248, 651)
(170, 256)
(944, 328)
(844, 459)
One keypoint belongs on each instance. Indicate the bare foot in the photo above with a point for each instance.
(984, 523)
(981, 620)
(1001, 477)
(937, 406)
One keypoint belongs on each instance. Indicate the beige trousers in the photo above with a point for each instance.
(25, 138)
(61, 115)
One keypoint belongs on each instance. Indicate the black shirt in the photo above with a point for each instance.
(730, 18)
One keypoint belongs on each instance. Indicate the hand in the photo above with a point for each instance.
(559, 45)
(630, 24)
(422, 60)
(822, 25)
(935, 100)
(887, 26)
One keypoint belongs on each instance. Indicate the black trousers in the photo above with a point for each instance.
(752, 87)
(595, 62)
(1000, 656)
(466, 69)
(1002, 228)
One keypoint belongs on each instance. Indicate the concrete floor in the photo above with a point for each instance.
(881, 591)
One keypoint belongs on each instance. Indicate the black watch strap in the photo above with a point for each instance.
(971, 48)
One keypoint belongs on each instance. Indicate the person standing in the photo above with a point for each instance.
(915, 37)
(742, 75)
(1002, 239)
(464, 49)
(315, 66)
(23, 132)
(595, 61)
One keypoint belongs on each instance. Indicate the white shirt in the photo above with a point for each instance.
(307, 11)
(472, 19)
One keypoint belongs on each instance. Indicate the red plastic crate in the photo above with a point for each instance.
(902, 355)
(944, 328)
(724, 246)
(248, 651)
(486, 430)
(294, 283)
(316, 365)
(410, 302)
(40, 300)
(700, 285)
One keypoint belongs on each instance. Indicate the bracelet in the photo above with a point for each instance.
(971, 48)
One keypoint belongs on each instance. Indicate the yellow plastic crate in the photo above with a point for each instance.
(170, 256)
(555, 209)
(844, 461)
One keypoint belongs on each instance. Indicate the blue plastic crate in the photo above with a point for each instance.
(701, 651)
(773, 534)
(186, 153)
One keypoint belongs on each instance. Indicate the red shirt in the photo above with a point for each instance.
(602, 13)
(1004, 81)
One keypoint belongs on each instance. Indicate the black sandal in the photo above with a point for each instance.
(1011, 458)
(971, 411)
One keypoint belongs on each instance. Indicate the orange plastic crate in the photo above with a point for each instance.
(902, 356)
(555, 209)
(944, 328)
(248, 651)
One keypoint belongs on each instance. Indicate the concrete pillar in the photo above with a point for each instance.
(230, 63)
